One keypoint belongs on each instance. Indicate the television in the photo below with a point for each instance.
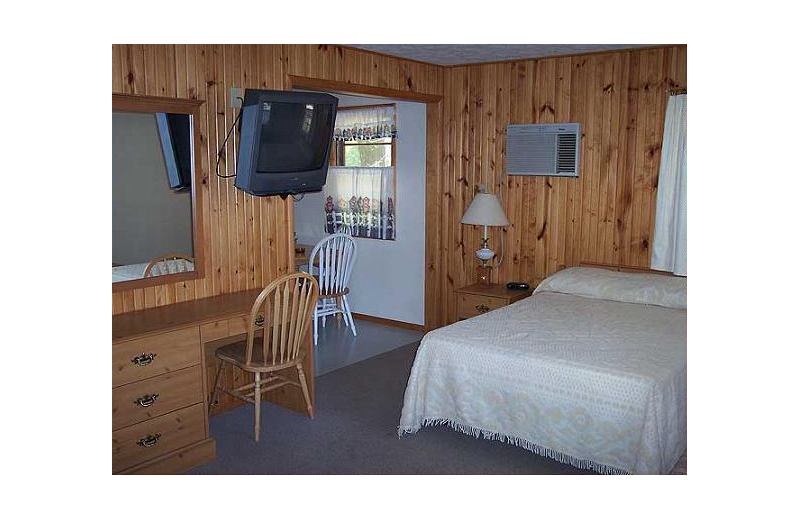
(284, 141)
(175, 133)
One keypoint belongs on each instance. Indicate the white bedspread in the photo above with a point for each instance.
(595, 383)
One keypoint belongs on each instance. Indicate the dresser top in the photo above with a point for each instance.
(130, 325)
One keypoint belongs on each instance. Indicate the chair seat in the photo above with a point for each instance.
(236, 353)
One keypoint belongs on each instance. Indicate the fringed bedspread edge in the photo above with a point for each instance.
(516, 441)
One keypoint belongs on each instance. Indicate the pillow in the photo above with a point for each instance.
(604, 284)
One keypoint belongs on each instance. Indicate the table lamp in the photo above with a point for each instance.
(485, 210)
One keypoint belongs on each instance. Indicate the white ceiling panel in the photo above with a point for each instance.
(461, 54)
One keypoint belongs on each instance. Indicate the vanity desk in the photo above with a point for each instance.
(163, 368)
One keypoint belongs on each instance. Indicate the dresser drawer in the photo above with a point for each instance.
(155, 355)
(155, 437)
(470, 305)
(239, 325)
(143, 400)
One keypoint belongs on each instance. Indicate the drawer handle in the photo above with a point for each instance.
(481, 308)
(146, 400)
(259, 320)
(143, 359)
(149, 441)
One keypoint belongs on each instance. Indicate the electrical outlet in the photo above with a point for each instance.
(236, 98)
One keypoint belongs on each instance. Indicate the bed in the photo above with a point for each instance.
(590, 370)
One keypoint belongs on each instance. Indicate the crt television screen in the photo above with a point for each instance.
(293, 136)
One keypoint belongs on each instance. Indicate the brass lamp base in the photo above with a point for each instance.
(484, 275)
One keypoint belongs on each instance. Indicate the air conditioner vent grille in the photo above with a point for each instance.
(543, 149)
(566, 158)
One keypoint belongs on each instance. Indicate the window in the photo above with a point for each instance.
(375, 153)
(359, 192)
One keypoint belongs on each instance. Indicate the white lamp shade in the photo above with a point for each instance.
(485, 210)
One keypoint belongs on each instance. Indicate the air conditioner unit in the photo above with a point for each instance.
(543, 149)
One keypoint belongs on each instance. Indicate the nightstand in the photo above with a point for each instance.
(480, 298)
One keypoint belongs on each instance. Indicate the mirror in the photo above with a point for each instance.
(155, 238)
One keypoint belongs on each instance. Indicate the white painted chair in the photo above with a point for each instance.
(331, 262)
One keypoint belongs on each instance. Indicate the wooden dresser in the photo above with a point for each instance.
(480, 298)
(162, 369)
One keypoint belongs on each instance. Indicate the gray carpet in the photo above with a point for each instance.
(355, 432)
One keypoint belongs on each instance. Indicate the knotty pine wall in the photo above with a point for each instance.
(606, 215)
(248, 240)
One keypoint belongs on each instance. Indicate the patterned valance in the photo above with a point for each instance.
(365, 123)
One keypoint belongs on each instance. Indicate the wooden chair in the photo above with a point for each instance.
(284, 309)
(332, 261)
(169, 264)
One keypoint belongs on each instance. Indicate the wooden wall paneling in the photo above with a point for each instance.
(470, 178)
(179, 72)
(511, 269)
(233, 77)
(575, 190)
(625, 210)
(225, 206)
(545, 113)
(623, 124)
(450, 111)
(606, 215)
(116, 68)
(502, 109)
(210, 88)
(433, 212)
(562, 108)
(655, 127)
(198, 89)
(638, 172)
(527, 203)
(456, 278)
(591, 179)
(615, 91)
(602, 153)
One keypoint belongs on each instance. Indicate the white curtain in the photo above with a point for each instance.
(364, 124)
(360, 202)
(669, 239)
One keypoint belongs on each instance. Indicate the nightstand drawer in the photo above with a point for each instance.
(150, 439)
(143, 400)
(470, 305)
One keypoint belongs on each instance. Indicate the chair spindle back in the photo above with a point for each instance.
(337, 256)
(169, 264)
(285, 307)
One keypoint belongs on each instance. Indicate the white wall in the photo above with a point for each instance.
(388, 280)
(148, 219)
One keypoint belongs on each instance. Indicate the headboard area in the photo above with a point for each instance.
(629, 269)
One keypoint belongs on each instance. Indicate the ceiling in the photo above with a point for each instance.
(460, 54)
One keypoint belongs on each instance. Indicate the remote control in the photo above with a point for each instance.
(518, 286)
